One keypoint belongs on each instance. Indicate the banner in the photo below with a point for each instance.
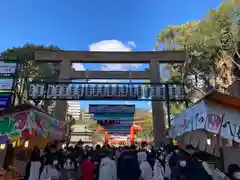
(5, 100)
(116, 119)
(191, 119)
(211, 117)
(7, 68)
(111, 109)
(6, 83)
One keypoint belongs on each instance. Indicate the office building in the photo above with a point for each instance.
(74, 109)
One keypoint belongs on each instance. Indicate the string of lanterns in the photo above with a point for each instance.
(81, 91)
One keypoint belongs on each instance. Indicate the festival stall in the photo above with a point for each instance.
(25, 126)
(210, 125)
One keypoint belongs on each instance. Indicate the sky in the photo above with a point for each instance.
(95, 25)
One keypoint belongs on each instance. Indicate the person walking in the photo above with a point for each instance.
(128, 166)
(49, 171)
(32, 171)
(88, 169)
(161, 169)
(107, 168)
(145, 167)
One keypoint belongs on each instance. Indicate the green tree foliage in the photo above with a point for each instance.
(147, 132)
(30, 70)
(212, 41)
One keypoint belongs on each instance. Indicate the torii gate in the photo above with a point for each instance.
(153, 58)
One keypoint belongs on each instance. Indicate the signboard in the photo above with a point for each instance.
(111, 109)
(105, 91)
(114, 123)
(5, 100)
(116, 119)
(7, 68)
(6, 84)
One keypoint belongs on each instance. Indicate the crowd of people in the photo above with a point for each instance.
(168, 162)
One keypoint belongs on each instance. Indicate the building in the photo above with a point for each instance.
(80, 132)
(85, 116)
(74, 109)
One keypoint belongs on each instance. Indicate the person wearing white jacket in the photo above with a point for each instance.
(49, 171)
(107, 169)
(145, 167)
(161, 169)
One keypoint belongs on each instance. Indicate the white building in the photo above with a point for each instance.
(80, 132)
(74, 109)
(85, 116)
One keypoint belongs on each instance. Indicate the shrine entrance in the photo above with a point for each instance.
(155, 91)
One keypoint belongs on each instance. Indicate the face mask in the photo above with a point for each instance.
(183, 163)
(176, 151)
(55, 162)
(236, 175)
(190, 151)
(161, 157)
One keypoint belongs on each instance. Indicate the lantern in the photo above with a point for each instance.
(50, 91)
(139, 92)
(110, 90)
(80, 91)
(58, 90)
(125, 91)
(162, 92)
(89, 90)
(147, 92)
(96, 90)
(117, 90)
(102, 91)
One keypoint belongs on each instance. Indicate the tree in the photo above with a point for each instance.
(147, 132)
(213, 46)
(30, 70)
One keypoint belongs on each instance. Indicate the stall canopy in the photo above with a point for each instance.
(216, 113)
(26, 119)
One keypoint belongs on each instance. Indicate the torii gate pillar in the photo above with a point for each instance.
(157, 108)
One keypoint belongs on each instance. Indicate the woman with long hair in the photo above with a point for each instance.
(33, 166)
(49, 171)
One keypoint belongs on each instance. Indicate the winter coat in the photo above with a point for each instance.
(88, 170)
(107, 169)
(49, 171)
(128, 166)
(145, 167)
(70, 169)
(158, 171)
(34, 170)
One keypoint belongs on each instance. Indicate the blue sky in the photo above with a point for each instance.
(126, 25)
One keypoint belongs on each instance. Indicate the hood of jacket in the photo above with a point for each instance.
(106, 161)
(142, 156)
